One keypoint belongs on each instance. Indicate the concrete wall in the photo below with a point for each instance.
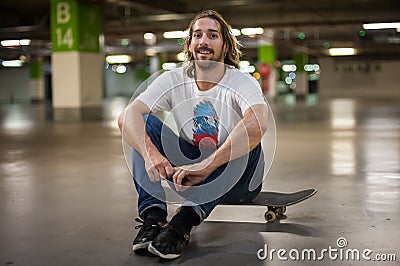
(339, 78)
(14, 85)
(120, 84)
(351, 78)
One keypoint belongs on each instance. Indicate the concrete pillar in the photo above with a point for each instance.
(301, 90)
(154, 64)
(36, 80)
(77, 60)
(266, 59)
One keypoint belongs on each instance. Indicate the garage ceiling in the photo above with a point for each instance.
(324, 23)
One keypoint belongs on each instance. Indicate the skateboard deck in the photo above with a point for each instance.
(276, 202)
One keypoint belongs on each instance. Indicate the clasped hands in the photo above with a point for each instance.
(158, 167)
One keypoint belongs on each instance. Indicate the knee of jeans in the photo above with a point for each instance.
(152, 123)
(149, 118)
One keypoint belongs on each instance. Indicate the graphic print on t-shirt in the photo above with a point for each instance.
(206, 125)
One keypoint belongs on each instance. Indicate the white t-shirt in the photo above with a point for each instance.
(203, 115)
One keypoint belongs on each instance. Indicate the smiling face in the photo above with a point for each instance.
(206, 41)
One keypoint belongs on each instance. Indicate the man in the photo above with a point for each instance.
(221, 117)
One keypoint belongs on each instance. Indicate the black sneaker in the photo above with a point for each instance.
(170, 243)
(149, 229)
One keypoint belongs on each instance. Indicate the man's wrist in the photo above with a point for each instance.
(211, 163)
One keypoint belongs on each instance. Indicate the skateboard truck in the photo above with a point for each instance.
(276, 202)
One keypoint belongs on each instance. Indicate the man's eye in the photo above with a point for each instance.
(213, 36)
(196, 35)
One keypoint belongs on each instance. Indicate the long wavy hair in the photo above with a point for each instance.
(233, 54)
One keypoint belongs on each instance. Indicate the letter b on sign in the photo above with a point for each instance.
(63, 13)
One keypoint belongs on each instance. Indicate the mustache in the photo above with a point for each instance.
(204, 50)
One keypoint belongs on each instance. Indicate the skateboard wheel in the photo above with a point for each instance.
(270, 216)
(280, 210)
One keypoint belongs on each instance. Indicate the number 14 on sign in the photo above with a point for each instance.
(64, 38)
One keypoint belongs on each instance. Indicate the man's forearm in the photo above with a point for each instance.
(134, 133)
(133, 129)
(244, 137)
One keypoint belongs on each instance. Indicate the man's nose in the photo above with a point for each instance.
(204, 40)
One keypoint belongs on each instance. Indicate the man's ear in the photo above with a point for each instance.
(190, 47)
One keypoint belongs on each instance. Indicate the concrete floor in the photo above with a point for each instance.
(66, 196)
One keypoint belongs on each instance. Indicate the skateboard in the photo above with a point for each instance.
(276, 202)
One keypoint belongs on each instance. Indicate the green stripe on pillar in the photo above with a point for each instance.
(35, 70)
(300, 59)
(75, 26)
(64, 25)
(89, 24)
(266, 54)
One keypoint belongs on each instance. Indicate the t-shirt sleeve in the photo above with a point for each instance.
(249, 93)
(157, 95)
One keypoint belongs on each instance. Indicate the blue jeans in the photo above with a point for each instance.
(236, 182)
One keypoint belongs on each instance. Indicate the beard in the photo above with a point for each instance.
(208, 64)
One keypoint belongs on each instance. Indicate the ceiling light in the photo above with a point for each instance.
(342, 51)
(252, 31)
(309, 67)
(289, 68)
(150, 38)
(149, 35)
(25, 42)
(121, 69)
(181, 56)
(235, 32)
(175, 34)
(380, 26)
(168, 66)
(151, 52)
(12, 63)
(248, 69)
(244, 63)
(245, 67)
(10, 43)
(118, 59)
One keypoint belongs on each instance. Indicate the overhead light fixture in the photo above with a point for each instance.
(309, 67)
(25, 42)
(236, 32)
(246, 67)
(169, 66)
(381, 26)
(342, 51)
(150, 38)
(181, 56)
(289, 68)
(121, 69)
(148, 35)
(151, 52)
(177, 34)
(8, 43)
(119, 59)
(244, 63)
(12, 63)
(252, 31)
